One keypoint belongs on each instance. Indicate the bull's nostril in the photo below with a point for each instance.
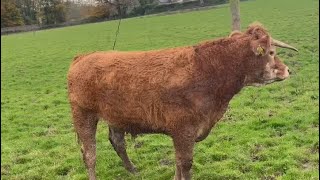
(290, 72)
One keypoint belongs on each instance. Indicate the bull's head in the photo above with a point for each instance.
(263, 66)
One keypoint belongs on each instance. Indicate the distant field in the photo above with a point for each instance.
(268, 133)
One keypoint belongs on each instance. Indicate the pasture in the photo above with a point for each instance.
(269, 132)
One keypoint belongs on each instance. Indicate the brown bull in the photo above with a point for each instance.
(181, 92)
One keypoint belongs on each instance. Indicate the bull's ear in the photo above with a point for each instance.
(261, 46)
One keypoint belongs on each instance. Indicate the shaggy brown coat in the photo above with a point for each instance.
(181, 92)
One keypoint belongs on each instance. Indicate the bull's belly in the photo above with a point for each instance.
(134, 125)
(141, 121)
(136, 129)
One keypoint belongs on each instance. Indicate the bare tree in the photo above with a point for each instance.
(235, 13)
(201, 2)
(120, 5)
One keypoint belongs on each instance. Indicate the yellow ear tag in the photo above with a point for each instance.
(260, 50)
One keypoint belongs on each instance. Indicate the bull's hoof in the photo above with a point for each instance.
(132, 169)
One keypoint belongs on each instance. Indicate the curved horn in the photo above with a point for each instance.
(282, 44)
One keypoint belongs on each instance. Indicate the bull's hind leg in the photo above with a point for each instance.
(116, 138)
(85, 123)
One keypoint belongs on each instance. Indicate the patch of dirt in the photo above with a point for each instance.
(254, 152)
(315, 148)
(5, 169)
(307, 165)
(166, 162)
(270, 113)
(138, 145)
(271, 177)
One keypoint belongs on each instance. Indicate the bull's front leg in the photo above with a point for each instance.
(183, 144)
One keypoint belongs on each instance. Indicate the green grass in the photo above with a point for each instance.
(268, 133)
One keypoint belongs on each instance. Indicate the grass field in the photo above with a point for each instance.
(270, 132)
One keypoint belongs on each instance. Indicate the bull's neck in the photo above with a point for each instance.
(221, 64)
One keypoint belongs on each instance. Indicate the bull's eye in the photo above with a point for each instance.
(271, 53)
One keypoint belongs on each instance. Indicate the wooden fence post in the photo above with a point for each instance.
(235, 13)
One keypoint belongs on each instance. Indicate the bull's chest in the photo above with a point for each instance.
(207, 122)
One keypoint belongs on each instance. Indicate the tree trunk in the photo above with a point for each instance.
(235, 13)
(201, 2)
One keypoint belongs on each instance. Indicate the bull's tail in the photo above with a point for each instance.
(79, 56)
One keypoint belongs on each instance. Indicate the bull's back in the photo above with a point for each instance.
(93, 75)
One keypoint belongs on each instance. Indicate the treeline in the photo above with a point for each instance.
(47, 12)
(27, 12)
(51, 12)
